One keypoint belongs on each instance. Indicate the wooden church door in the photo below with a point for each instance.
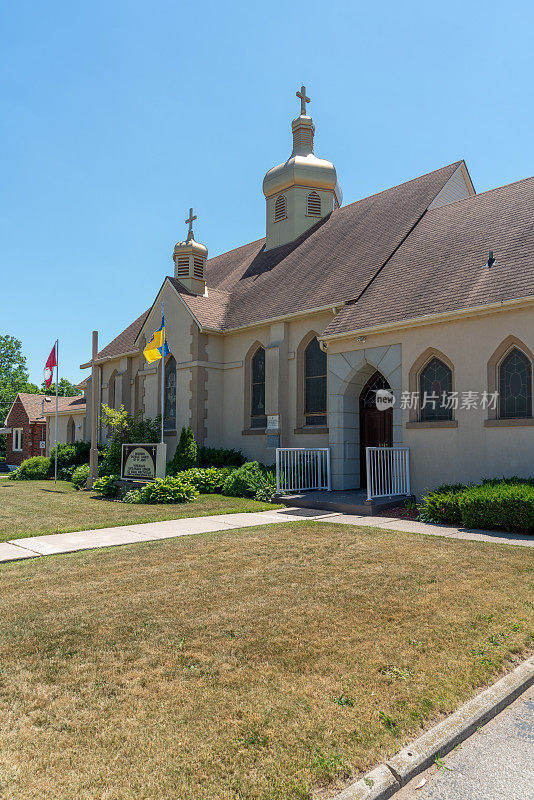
(376, 427)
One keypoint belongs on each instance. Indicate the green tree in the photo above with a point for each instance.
(185, 455)
(13, 376)
(65, 389)
(124, 428)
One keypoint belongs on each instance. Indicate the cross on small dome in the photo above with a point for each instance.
(303, 100)
(189, 222)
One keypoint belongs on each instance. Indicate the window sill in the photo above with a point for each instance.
(310, 429)
(428, 424)
(513, 422)
(254, 432)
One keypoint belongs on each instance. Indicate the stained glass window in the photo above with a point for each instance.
(315, 384)
(257, 417)
(169, 420)
(435, 387)
(368, 397)
(515, 386)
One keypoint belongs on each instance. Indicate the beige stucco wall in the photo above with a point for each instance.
(62, 424)
(470, 451)
(211, 390)
(226, 419)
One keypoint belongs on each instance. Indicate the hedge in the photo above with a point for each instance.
(495, 504)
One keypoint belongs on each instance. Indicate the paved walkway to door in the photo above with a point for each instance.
(36, 546)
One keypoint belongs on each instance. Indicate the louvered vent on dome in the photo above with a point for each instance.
(280, 209)
(313, 205)
(198, 267)
(302, 139)
(182, 266)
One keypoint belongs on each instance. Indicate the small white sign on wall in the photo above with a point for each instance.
(273, 422)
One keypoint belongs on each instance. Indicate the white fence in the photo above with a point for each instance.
(388, 471)
(301, 469)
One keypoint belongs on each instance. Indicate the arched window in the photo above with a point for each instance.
(313, 205)
(515, 386)
(435, 387)
(280, 208)
(111, 389)
(315, 385)
(257, 393)
(169, 420)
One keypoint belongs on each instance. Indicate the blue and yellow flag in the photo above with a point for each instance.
(157, 346)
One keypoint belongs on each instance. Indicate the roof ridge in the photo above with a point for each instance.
(455, 164)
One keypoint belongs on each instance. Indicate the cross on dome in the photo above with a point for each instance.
(189, 222)
(303, 100)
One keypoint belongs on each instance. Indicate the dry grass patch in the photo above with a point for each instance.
(33, 508)
(262, 664)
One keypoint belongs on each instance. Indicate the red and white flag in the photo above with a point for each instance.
(49, 367)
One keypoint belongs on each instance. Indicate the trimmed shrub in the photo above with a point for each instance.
(501, 506)
(442, 504)
(105, 486)
(70, 455)
(167, 490)
(80, 475)
(496, 504)
(267, 490)
(132, 496)
(185, 456)
(206, 481)
(36, 468)
(220, 457)
(250, 480)
(65, 473)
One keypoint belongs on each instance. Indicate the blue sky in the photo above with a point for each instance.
(119, 116)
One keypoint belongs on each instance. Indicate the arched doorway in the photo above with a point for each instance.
(71, 431)
(376, 426)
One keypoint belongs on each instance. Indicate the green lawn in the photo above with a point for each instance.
(33, 508)
(271, 663)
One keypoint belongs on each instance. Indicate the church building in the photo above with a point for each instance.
(425, 290)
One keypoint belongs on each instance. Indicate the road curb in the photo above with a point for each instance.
(386, 779)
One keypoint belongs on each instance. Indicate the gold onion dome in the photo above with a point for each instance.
(302, 168)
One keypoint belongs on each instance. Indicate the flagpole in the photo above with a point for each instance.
(163, 374)
(57, 387)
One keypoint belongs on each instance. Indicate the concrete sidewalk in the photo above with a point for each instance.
(35, 546)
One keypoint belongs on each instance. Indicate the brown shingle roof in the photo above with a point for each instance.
(33, 405)
(440, 266)
(125, 341)
(73, 404)
(332, 262)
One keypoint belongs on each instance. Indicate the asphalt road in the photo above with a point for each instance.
(496, 763)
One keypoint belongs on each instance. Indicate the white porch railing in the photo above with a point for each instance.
(388, 471)
(302, 469)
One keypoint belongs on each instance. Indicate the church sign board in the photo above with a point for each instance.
(143, 462)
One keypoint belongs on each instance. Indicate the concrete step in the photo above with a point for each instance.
(350, 502)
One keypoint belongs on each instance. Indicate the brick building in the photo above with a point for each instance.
(25, 428)
(26, 425)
